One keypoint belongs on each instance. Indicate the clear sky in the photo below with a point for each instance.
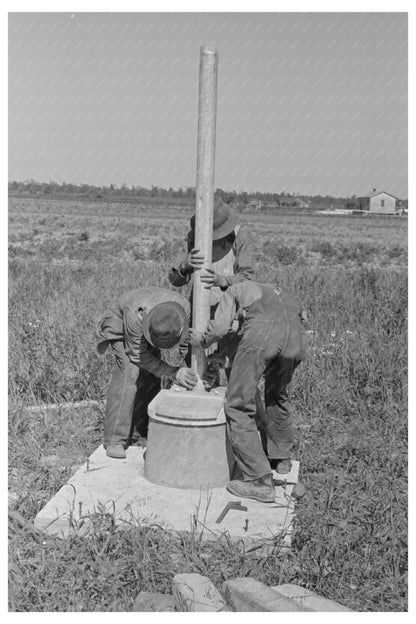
(314, 103)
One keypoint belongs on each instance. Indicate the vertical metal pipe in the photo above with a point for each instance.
(205, 173)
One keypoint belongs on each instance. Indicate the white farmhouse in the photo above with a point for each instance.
(377, 202)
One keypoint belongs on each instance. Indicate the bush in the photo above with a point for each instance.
(325, 248)
(274, 251)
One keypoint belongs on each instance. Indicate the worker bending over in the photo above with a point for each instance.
(273, 343)
(137, 327)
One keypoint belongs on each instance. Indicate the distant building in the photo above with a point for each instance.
(377, 202)
(403, 206)
(256, 203)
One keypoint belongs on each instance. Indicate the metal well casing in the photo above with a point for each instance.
(187, 444)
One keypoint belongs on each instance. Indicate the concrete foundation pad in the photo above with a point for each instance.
(119, 488)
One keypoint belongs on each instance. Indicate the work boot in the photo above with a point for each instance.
(282, 466)
(261, 489)
(116, 451)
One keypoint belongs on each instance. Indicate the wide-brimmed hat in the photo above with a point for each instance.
(165, 325)
(224, 220)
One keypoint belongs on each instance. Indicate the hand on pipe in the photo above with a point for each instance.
(186, 377)
(195, 337)
(209, 378)
(194, 261)
(217, 360)
(211, 278)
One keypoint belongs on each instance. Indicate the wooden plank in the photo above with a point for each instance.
(247, 594)
(194, 592)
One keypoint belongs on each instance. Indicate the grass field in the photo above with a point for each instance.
(69, 260)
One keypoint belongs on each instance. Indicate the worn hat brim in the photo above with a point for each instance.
(227, 227)
(175, 340)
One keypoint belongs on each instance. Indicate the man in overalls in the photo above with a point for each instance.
(273, 343)
(232, 254)
(232, 261)
(143, 322)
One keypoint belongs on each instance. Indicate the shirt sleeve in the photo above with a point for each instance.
(175, 276)
(139, 351)
(221, 324)
(244, 257)
(184, 345)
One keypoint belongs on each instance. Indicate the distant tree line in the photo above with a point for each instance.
(283, 198)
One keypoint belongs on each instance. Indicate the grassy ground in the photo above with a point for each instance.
(69, 260)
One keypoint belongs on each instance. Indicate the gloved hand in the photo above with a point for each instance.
(186, 377)
(210, 378)
(217, 360)
(195, 337)
(194, 261)
(211, 278)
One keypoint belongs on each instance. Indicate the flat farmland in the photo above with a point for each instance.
(68, 260)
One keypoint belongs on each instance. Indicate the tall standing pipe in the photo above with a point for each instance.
(205, 173)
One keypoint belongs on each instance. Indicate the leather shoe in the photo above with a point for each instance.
(116, 451)
(282, 466)
(261, 489)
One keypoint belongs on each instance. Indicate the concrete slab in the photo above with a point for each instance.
(194, 592)
(118, 487)
(248, 594)
(308, 599)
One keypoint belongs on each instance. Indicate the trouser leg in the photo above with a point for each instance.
(147, 387)
(121, 393)
(229, 346)
(240, 410)
(279, 416)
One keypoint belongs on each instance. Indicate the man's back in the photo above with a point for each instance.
(256, 304)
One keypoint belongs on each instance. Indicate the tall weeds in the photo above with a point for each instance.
(350, 400)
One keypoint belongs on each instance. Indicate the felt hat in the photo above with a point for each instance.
(165, 325)
(224, 220)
